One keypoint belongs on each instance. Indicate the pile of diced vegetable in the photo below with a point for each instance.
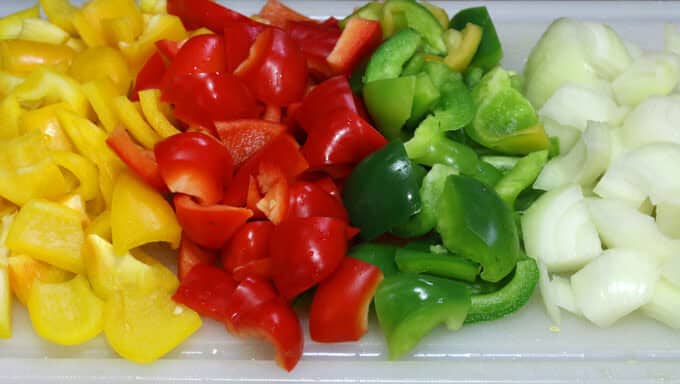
(318, 167)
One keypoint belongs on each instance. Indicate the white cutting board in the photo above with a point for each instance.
(518, 349)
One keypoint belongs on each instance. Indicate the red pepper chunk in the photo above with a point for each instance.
(203, 13)
(339, 311)
(249, 243)
(191, 255)
(279, 14)
(140, 160)
(199, 54)
(256, 310)
(244, 137)
(306, 251)
(358, 40)
(150, 76)
(239, 36)
(309, 199)
(327, 97)
(316, 40)
(207, 290)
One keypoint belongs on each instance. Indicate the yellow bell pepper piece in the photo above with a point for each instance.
(66, 313)
(109, 272)
(460, 58)
(140, 215)
(24, 57)
(91, 36)
(100, 93)
(78, 45)
(10, 25)
(118, 30)
(60, 12)
(158, 27)
(154, 6)
(8, 82)
(76, 203)
(49, 232)
(24, 270)
(45, 87)
(201, 31)
(150, 100)
(96, 11)
(42, 31)
(167, 278)
(100, 226)
(144, 327)
(10, 116)
(439, 13)
(45, 121)
(128, 113)
(5, 290)
(83, 169)
(102, 63)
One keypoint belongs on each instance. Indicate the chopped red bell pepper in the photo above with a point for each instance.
(244, 137)
(209, 226)
(327, 184)
(195, 164)
(262, 268)
(150, 76)
(339, 310)
(305, 251)
(333, 94)
(199, 54)
(272, 113)
(168, 48)
(255, 309)
(191, 255)
(238, 38)
(279, 14)
(140, 160)
(254, 196)
(358, 40)
(203, 13)
(207, 290)
(247, 248)
(274, 204)
(309, 199)
(316, 40)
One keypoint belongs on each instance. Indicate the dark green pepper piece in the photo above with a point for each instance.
(380, 255)
(418, 18)
(414, 66)
(512, 296)
(474, 222)
(389, 102)
(409, 306)
(426, 95)
(387, 62)
(487, 174)
(382, 191)
(424, 243)
(489, 53)
(521, 176)
(370, 11)
(438, 264)
(455, 108)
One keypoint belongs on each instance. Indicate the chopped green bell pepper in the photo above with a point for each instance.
(380, 255)
(387, 62)
(425, 96)
(512, 296)
(409, 306)
(383, 190)
(489, 53)
(502, 163)
(369, 11)
(438, 264)
(474, 222)
(414, 65)
(455, 108)
(418, 18)
(389, 102)
(521, 176)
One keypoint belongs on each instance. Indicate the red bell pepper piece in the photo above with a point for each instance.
(150, 76)
(203, 13)
(279, 14)
(339, 311)
(272, 113)
(191, 255)
(168, 48)
(247, 249)
(325, 98)
(257, 310)
(274, 204)
(199, 54)
(262, 268)
(195, 164)
(244, 137)
(358, 40)
(209, 226)
(207, 290)
(254, 196)
(139, 159)
(276, 69)
(346, 138)
(238, 38)
(306, 251)
(316, 40)
(327, 184)
(308, 199)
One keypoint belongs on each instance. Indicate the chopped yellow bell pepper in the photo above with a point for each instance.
(42, 31)
(44, 87)
(100, 93)
(83, 169)
(150, 100)
(10, 25)
(128, 113)
(24, 57)
(76, 203)
(24, 270)
(144, 327)
(60, 12)
(102, 63)
(45, 121)
(66, 313)
(8, 82)
(140, 215)
(167, 278)
(78, 45)
(118, 30)
(5, 290)
(10, 115)
(100, 226)
(459, 58)
(154, 6)
(49, 232)
(159, 27)
(91, 36)
(201, 31)
(96, 11)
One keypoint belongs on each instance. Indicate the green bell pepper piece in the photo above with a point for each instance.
(455, 108)
(414, 65)
(430, 191)
(475, 223)
(418, 18)
(382, 191)
(409, 306)
(425, 96)
(425, 244)
(487, 174)
(502, 163)
(489, 53)
(505, 120)
(389, 102)
(387, 62)
(472, 76)
(512, 296)
(370, 11)
(521, 176)
(438, 264)
(380, 255)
